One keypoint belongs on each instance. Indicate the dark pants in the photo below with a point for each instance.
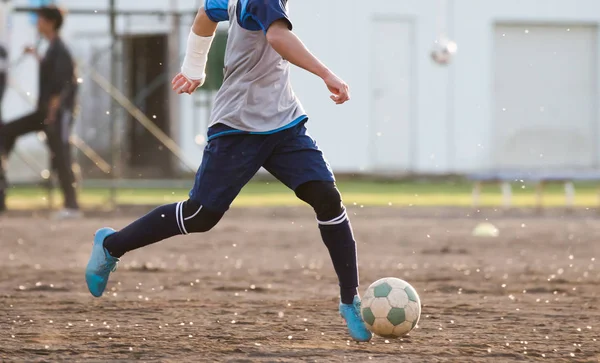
(57, 137)
(2, 88)
(231, 160)
(2, 159)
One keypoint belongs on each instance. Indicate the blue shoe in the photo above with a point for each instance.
(101, 264)
(356, 326)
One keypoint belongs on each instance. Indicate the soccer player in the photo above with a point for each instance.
(257, 121)
(55, 107)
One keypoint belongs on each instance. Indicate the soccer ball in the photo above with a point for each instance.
(443, 51)
(391, 307)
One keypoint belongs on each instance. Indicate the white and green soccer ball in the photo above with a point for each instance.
(391, 307)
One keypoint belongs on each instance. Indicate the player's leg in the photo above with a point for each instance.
(3, 56)
(3, 183)
(336, 232)
(227, 165)
(2, 84)
(299, 164)
(58, 134)
(9, 133)
(161, 223)
(2, 158)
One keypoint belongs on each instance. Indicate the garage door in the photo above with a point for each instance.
(390, 129)
(545, 96)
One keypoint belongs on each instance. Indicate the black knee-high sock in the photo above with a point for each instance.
(155, 226)
(339, 240)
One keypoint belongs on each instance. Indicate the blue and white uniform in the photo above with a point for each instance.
(257, 120)
(256, 95)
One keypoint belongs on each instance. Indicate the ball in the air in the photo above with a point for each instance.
(391, 307)
(444, 51)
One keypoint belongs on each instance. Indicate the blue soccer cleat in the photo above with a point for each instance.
(356, 326)
(101, 264)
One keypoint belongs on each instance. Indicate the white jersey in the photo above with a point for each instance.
(256, 95)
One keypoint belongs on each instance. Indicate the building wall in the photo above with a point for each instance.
(454, 106)
(445, 120)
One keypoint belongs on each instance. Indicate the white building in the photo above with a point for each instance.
(522, 91)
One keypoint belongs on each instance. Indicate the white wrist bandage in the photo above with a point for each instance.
(194, 63)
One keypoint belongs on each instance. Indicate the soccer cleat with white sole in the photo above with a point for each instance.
(356, 326)
(101, 264)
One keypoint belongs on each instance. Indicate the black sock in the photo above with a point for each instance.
(155, 226)
(339, 240)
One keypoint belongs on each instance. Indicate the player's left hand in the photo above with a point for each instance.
(29, 50)
(340, 92)
(183, 85)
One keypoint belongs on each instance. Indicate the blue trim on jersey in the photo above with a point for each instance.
(216, 10)
(244, 18)
(255, 15)
(285, 127)
(282, 128)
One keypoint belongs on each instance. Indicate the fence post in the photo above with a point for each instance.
(115, 149)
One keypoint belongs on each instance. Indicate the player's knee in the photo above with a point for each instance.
(198, 219)
(324, 197)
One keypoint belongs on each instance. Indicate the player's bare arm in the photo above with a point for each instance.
(193, 73)
(290, 47)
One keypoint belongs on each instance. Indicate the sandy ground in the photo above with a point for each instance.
(260, 288)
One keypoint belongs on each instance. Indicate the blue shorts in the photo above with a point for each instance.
(230, 161)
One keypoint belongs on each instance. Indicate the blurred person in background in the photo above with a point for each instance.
(3, 75)
(55, 108)
(4, 30)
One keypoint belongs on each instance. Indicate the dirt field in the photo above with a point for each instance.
(260, 288)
